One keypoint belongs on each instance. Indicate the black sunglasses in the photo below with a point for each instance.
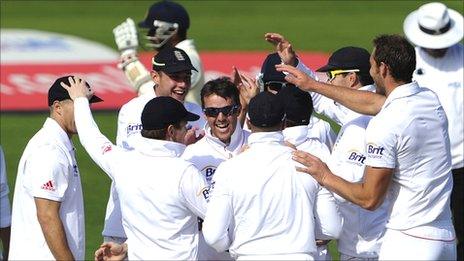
(227, 110)
(276, 86)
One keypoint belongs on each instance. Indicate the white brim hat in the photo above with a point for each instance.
(434, 26)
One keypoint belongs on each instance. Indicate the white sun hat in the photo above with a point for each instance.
(434, 26)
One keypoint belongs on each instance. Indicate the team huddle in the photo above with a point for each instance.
(241, 168)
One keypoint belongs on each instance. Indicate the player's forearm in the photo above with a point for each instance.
(363, 102)
(94, 142)
(357, 193)
(54, 234)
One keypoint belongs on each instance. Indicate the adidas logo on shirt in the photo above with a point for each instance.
(48, 186)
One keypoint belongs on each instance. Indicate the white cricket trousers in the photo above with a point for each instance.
(400, 246)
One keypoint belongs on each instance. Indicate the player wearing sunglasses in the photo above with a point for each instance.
(347, 67)
(224, 138)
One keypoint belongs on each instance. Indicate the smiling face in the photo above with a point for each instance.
(175, 85)
(223, 125)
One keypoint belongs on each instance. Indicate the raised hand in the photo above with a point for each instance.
(248, 89)
(125, 36)
(312, 166)
(282, 47)
(297, 77)
(78, 88)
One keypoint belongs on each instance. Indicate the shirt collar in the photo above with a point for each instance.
(401, 92)
(55, 130)
(370, 87)
(296, 135)
(160, 148)
(236, 140)
(265, 137)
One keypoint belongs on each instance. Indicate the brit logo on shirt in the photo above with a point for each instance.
(375, 151)
(208, 172)
(356, 157)
(133, 128)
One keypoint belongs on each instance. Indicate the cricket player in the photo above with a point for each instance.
(171, 73)
(48, 209)
(224, 139)
(298, 109)
(362, 229)
(161, 195)
(408, 154)
(258, 196)
(272, 81)
(437, 33)
(166, 24)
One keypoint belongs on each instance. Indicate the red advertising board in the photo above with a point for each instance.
(24, 87)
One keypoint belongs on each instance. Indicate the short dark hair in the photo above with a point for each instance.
(158, 134)
(365, 78)
(396, 52)
(222, 87)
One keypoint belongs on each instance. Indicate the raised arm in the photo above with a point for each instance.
(100, 148)
(363, 102)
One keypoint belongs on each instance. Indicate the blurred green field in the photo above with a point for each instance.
(215, 25)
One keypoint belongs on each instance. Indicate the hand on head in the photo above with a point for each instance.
(282, 47)
(77, 88)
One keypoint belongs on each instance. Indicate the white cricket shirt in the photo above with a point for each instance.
(362, 229)
(160, 194)
(47, 169)
(327, 206)
(5, 210)
(410, 136)
(267, 205)
(320, 129)
(128, 134)
(207, 153)
(445, 77)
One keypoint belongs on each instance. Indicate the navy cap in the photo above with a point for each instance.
(268, 70)
(160, 112)
(172, 60)
(58, 93)
(298, 104)
(167, 11)
(266, 110)
(347, 58)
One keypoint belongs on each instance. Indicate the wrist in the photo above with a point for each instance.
(128, 53)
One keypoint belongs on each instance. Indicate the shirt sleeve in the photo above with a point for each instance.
(194, 191)
(122, 125)
(48, 179)
(100, 148)
(329, 221)
(381, 145)
(219, 214)
(5, 208)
